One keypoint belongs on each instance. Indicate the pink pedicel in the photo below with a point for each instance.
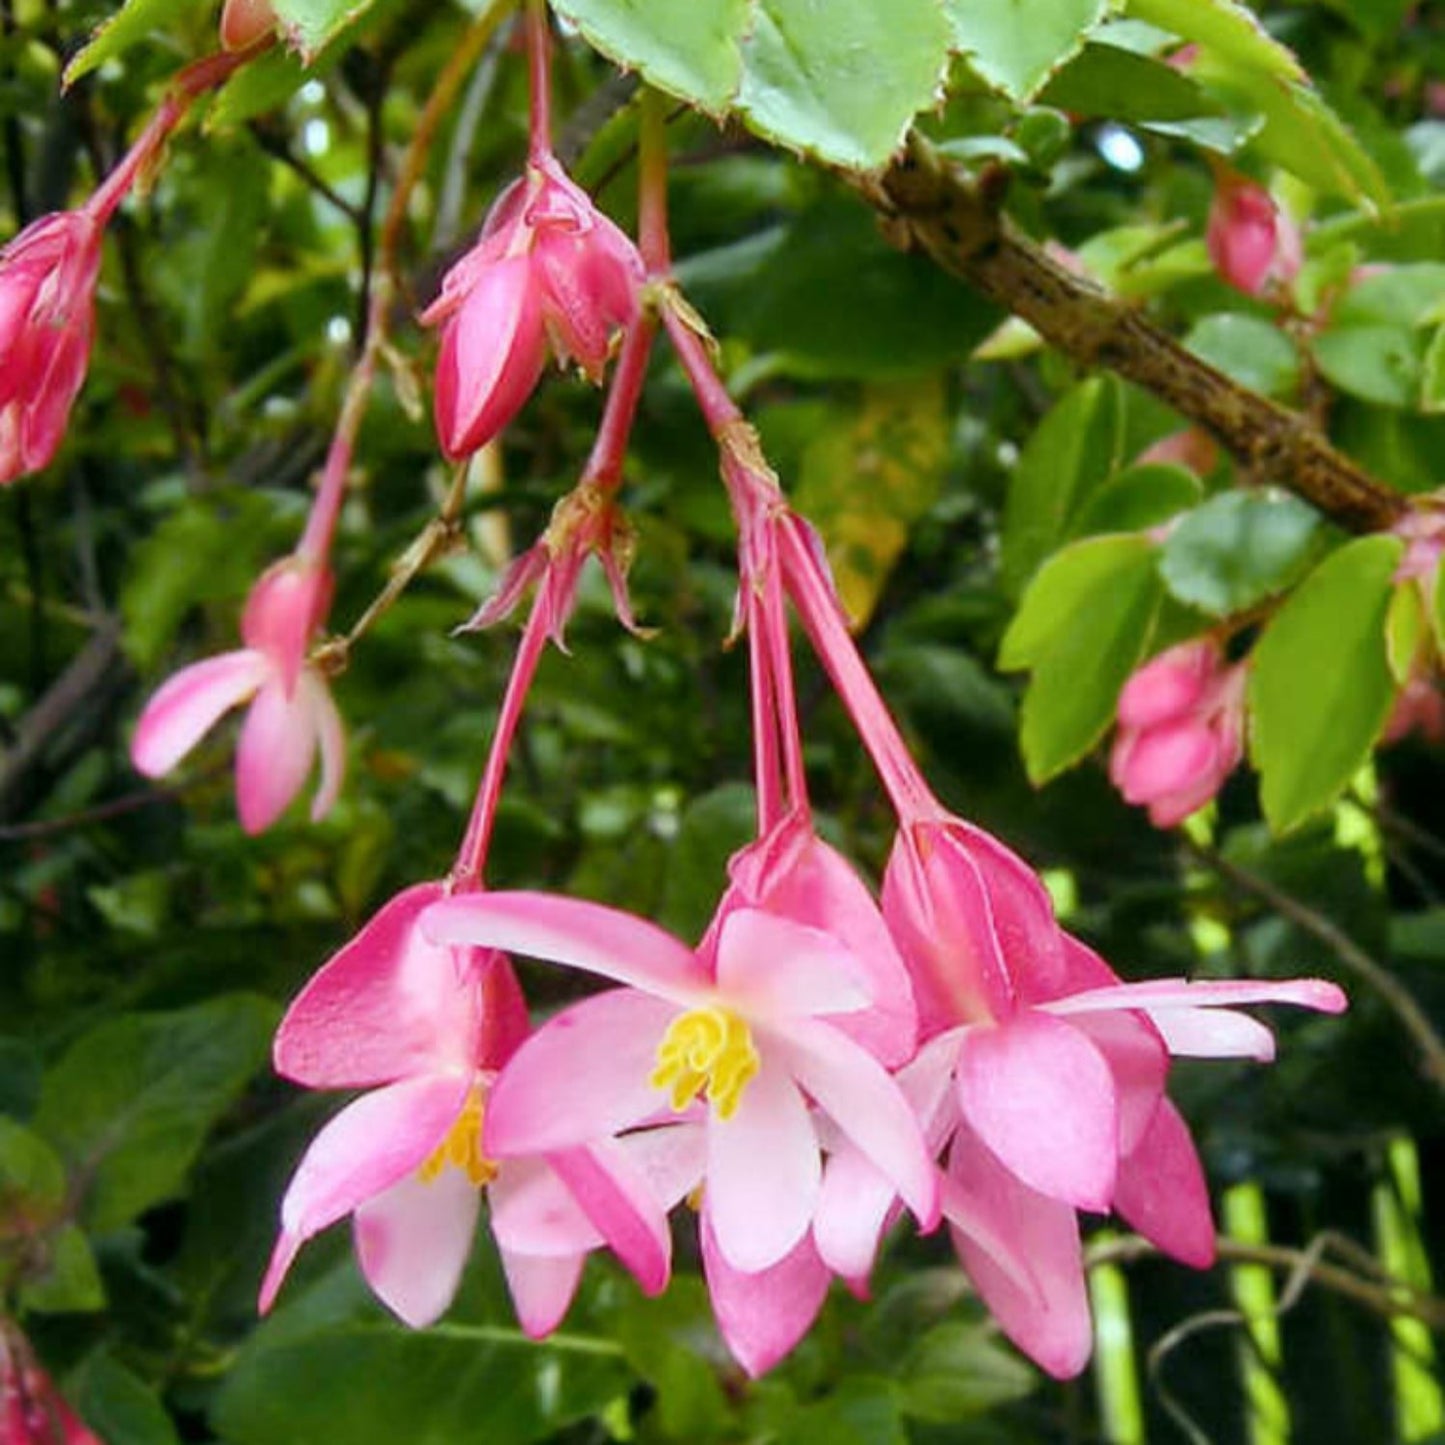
(425, 1029)
(291, 713)
(47, 318)
(549, 272)
(1251, 241)
(1181, 731)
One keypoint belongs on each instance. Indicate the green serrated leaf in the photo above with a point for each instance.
(1383, 364)
(1248, 349)
(134, 21)
(1076, 683)
(689, 48)
(1320, 685)
(1237, 549)
(842, 81)
(1016, 45)
(1062, 587)
(1228, 28)
(1406, 630)
(310, 24)
(130, 1102)
(1070, 453)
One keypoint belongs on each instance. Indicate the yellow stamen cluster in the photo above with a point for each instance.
(462, 1148)
(706, 1048)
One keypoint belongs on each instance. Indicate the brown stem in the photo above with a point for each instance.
(958, 222)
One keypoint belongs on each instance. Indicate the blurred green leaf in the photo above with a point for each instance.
(1250, 350)
(960, 1370)
(130, 1102)
(1320, 684)
(1139, 497)
(133, 21)
(1016, 45)
(122, 1409)
(69, 1281)
(1376, 363)
(309, 24)
(1227, 28)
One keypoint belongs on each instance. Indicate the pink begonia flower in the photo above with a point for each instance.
(1251, 241)
(291, 716)
(425, 1028)
(32, 1410)
(1043, 1077)
(1181, 730)
(548, 269)
(746, 1038)
(47, 318)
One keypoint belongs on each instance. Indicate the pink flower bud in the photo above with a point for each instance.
(1419, 708)
(549, 271)
(1181, 731)
(47, 317)
(1251, 241)
(1190, 448)
(244, 22)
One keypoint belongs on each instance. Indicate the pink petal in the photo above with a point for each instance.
(413, 1241)
(1173, 757)
(1139, 1061)
(331, 734)
(369, 1146)
(388, 1005)
(1161, 1191)
(491, 356)
(763, 1314)
(1214, 1033)
(583, 1076)
(1168, 686)
(1160, 994)
(274, 755)
(575, 933)
(533, 1212)
(1050, 1322)
(615, 1196)
(542, 1287)
(1041, 1096)
(776, 966)
(189, 704)
(855, 1205)
(763, 1169)
(853, 1089)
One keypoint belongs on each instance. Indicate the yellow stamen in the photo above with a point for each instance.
(462, 1147)
(706, 1049)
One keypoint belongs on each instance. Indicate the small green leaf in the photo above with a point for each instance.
(32, 1178)
(1383, 364)
(1229, 29)
(309, 24)
(130, 1102)
(68, 1282)
(694, 51)
(122, 1409)
(1320, 685)
(1123, 85)
(1016, 45)
(135, 20)
(1237, 549)
(1432, 374)
(1070, 453)
(1399, 296)
(841, 81)
(1083, 625)
(1406, 629)
(959, 1370)
(1062, 587)
(1139, 497)
(1248, 349)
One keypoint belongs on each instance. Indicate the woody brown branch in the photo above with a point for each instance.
(932, 206)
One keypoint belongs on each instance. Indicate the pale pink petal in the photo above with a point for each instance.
(387, 1006)
(775, 966)
(763, 1169)
(617, 1198)
(1161, 1191)
(863, 1101)
(855, 1207)
(1041, 1096)
(1213, 1033)
(576, 933)
(1173, 757)
(189, 704)
(273, 756)
(582, 1076)
(1171, 993)
(1139, 1061)
(763, 1314)
(533, 1212)
(975, 1216)
(672, 1158)
(542, 1287)
(412, 1243)
(1169, 685)
(331, 734)
(369, 1146)
(1050, 1322)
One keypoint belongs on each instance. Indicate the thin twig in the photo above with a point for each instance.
(276, 147)
(1349, 953)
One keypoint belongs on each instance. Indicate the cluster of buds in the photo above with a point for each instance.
(1181, 730)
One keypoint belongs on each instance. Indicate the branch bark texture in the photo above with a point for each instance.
(935, 208)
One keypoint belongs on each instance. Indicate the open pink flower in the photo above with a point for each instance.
(1251, 241)
(1043, 1079)
(745, 1041)
(548, 269)
(1181, 730)
(47, 317)
(425, 1028)
(291, 716)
